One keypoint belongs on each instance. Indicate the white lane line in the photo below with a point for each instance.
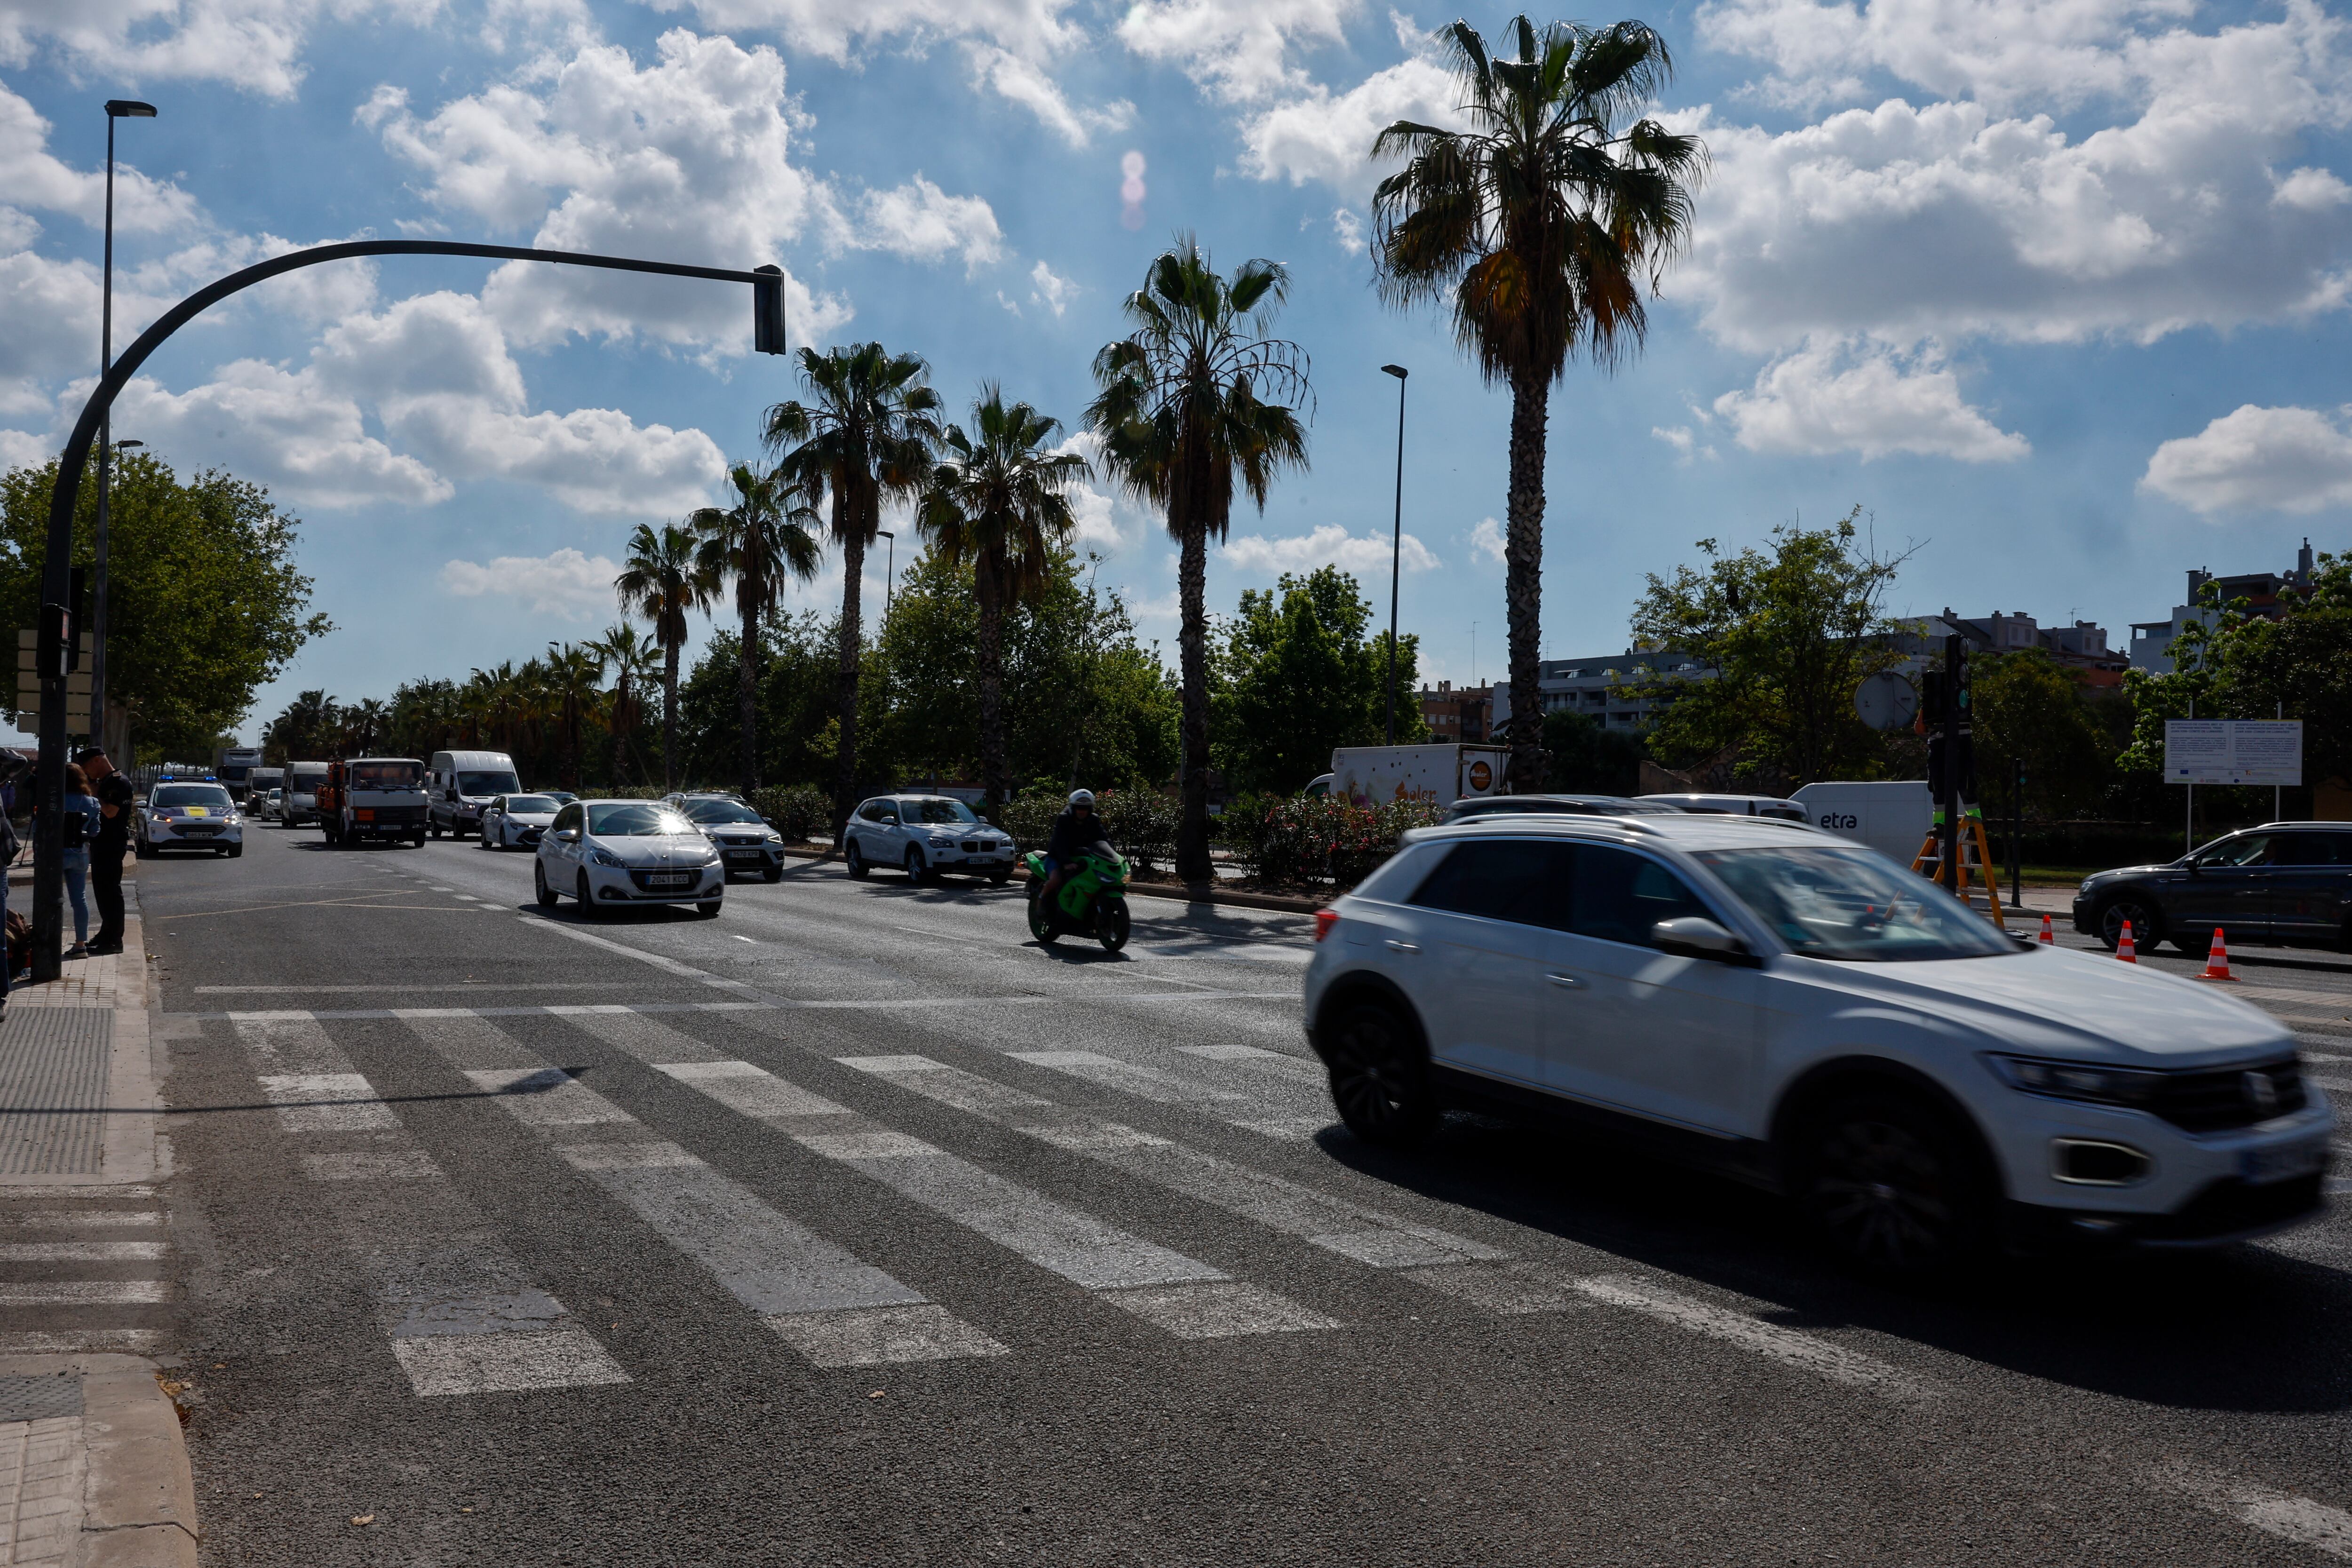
(67, 1195)
(87, 1293)
(1787, 1346)
(2282, 1515)
(80, 1219)
(829, 1306)
(80, 1251)
(1332, 1224)
(42, 1342)
(669, 966)
(1290, 1112)
(1084, 1250)
(442, 1283)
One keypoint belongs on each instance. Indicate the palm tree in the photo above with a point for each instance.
(759, 539)
(1194, 398)
(999, 503)
(572, 672)
(365, 723)
(625, 653)
(662, 581)
(867, 432)
(1540, 221)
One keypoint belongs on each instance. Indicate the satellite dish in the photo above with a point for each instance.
(1885, 700)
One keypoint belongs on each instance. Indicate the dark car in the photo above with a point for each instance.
(2284, 884)
(1558, 805)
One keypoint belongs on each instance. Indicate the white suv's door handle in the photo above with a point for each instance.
(1570, 980)
(1402, 947)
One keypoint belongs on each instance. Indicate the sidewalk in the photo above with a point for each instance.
(93, 1467)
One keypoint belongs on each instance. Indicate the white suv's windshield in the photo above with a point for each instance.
(209, 795)
(938, 809)
(1852, 904)
(634, 820)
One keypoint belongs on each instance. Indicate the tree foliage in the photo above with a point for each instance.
(1781, 636)
(2026, 707)
(205, 604)
(1299, 677)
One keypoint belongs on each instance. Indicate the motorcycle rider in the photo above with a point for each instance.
(1075, 830)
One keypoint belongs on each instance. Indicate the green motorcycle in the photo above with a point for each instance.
(1093, 902)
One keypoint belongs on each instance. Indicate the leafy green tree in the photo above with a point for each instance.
(1538, 223)
(1584, 756)
(423, 717)
(868, 431)
(205, 604)
(1780, 637)
(573, 671)
(306, 731)
(999, 500)
(1193, 401)
(1300, 677)
(758, 541)
(662, 581)
(2026, 707)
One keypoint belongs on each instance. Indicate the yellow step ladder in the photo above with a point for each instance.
(1976, 859)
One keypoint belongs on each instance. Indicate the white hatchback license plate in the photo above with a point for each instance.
(2282, 1163)
(670, 879)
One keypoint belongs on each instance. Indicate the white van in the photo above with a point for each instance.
(301, 803)
(457, 785)
(1891, 816)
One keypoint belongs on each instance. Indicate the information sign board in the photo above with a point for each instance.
(2267, 752)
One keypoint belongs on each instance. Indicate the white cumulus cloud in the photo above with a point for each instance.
(1862, 398)
(2259, 459)
(1052, 292)
(1328, 136)
(254, 45)
(563, 583)
(1329, 544)
(685, 160)
(1238, 49)
(1486, 540)
(922, 222)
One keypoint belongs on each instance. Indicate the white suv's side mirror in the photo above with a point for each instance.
(1696, 936)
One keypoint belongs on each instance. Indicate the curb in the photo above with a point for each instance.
(1189, 893)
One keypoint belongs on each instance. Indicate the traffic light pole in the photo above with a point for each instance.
(1955, 728)
(56, 632)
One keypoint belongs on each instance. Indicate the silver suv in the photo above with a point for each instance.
(1766, 998)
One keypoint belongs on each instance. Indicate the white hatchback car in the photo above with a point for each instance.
(923, 834)
(517, 821)
(1788, 1005)
(610, 853)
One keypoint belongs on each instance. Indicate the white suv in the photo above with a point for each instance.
(1800, 1010)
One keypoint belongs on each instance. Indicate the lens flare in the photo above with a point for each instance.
(1131, 189)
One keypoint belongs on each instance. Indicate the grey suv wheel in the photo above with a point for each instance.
(1890, 1183)
(2147, 931)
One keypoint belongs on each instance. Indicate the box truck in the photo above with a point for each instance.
(1891, 816)
(1439, 775)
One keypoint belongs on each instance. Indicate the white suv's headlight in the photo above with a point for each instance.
(2092, 1081)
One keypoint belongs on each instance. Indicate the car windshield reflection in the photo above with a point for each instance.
(634, 820)
(1852, 904)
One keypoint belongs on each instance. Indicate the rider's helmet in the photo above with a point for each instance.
(1085, 798)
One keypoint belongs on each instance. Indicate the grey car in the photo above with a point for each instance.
(2283, 884)
(924, 835)
(751, 846)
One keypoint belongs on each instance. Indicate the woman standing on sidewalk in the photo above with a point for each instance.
(82, 820)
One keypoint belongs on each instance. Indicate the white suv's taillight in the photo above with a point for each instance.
(1324, 919)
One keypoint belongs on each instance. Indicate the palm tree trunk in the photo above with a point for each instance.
(621, 720)
(669, 714)
(1523, 577)
(746, 683)
(845, 788)
(991, 690)
(1192, 646)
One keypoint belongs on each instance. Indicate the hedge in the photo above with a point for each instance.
(1139, 824)
(1318, 838)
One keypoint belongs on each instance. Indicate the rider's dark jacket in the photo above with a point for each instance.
(1073, 834)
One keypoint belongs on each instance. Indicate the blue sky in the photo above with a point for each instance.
(2055, 289)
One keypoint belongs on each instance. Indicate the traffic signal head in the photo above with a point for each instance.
(768, 309)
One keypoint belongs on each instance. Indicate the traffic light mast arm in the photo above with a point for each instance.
(48, 849)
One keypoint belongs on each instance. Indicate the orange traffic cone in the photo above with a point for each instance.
(2124, 949)
(2047, 938)
(2217, 961)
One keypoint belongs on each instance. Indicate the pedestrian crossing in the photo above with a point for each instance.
(1107, 1197)
(83, 1268)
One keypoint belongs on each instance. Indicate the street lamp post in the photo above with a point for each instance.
(1396, 544)
(889, 569)
(116, 109)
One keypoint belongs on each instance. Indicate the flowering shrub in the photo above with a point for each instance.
(1140, 823)
(1281, 839)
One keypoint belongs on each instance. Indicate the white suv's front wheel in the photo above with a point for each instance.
(1892, 1182)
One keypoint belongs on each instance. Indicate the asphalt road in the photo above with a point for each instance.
(851, 1227)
